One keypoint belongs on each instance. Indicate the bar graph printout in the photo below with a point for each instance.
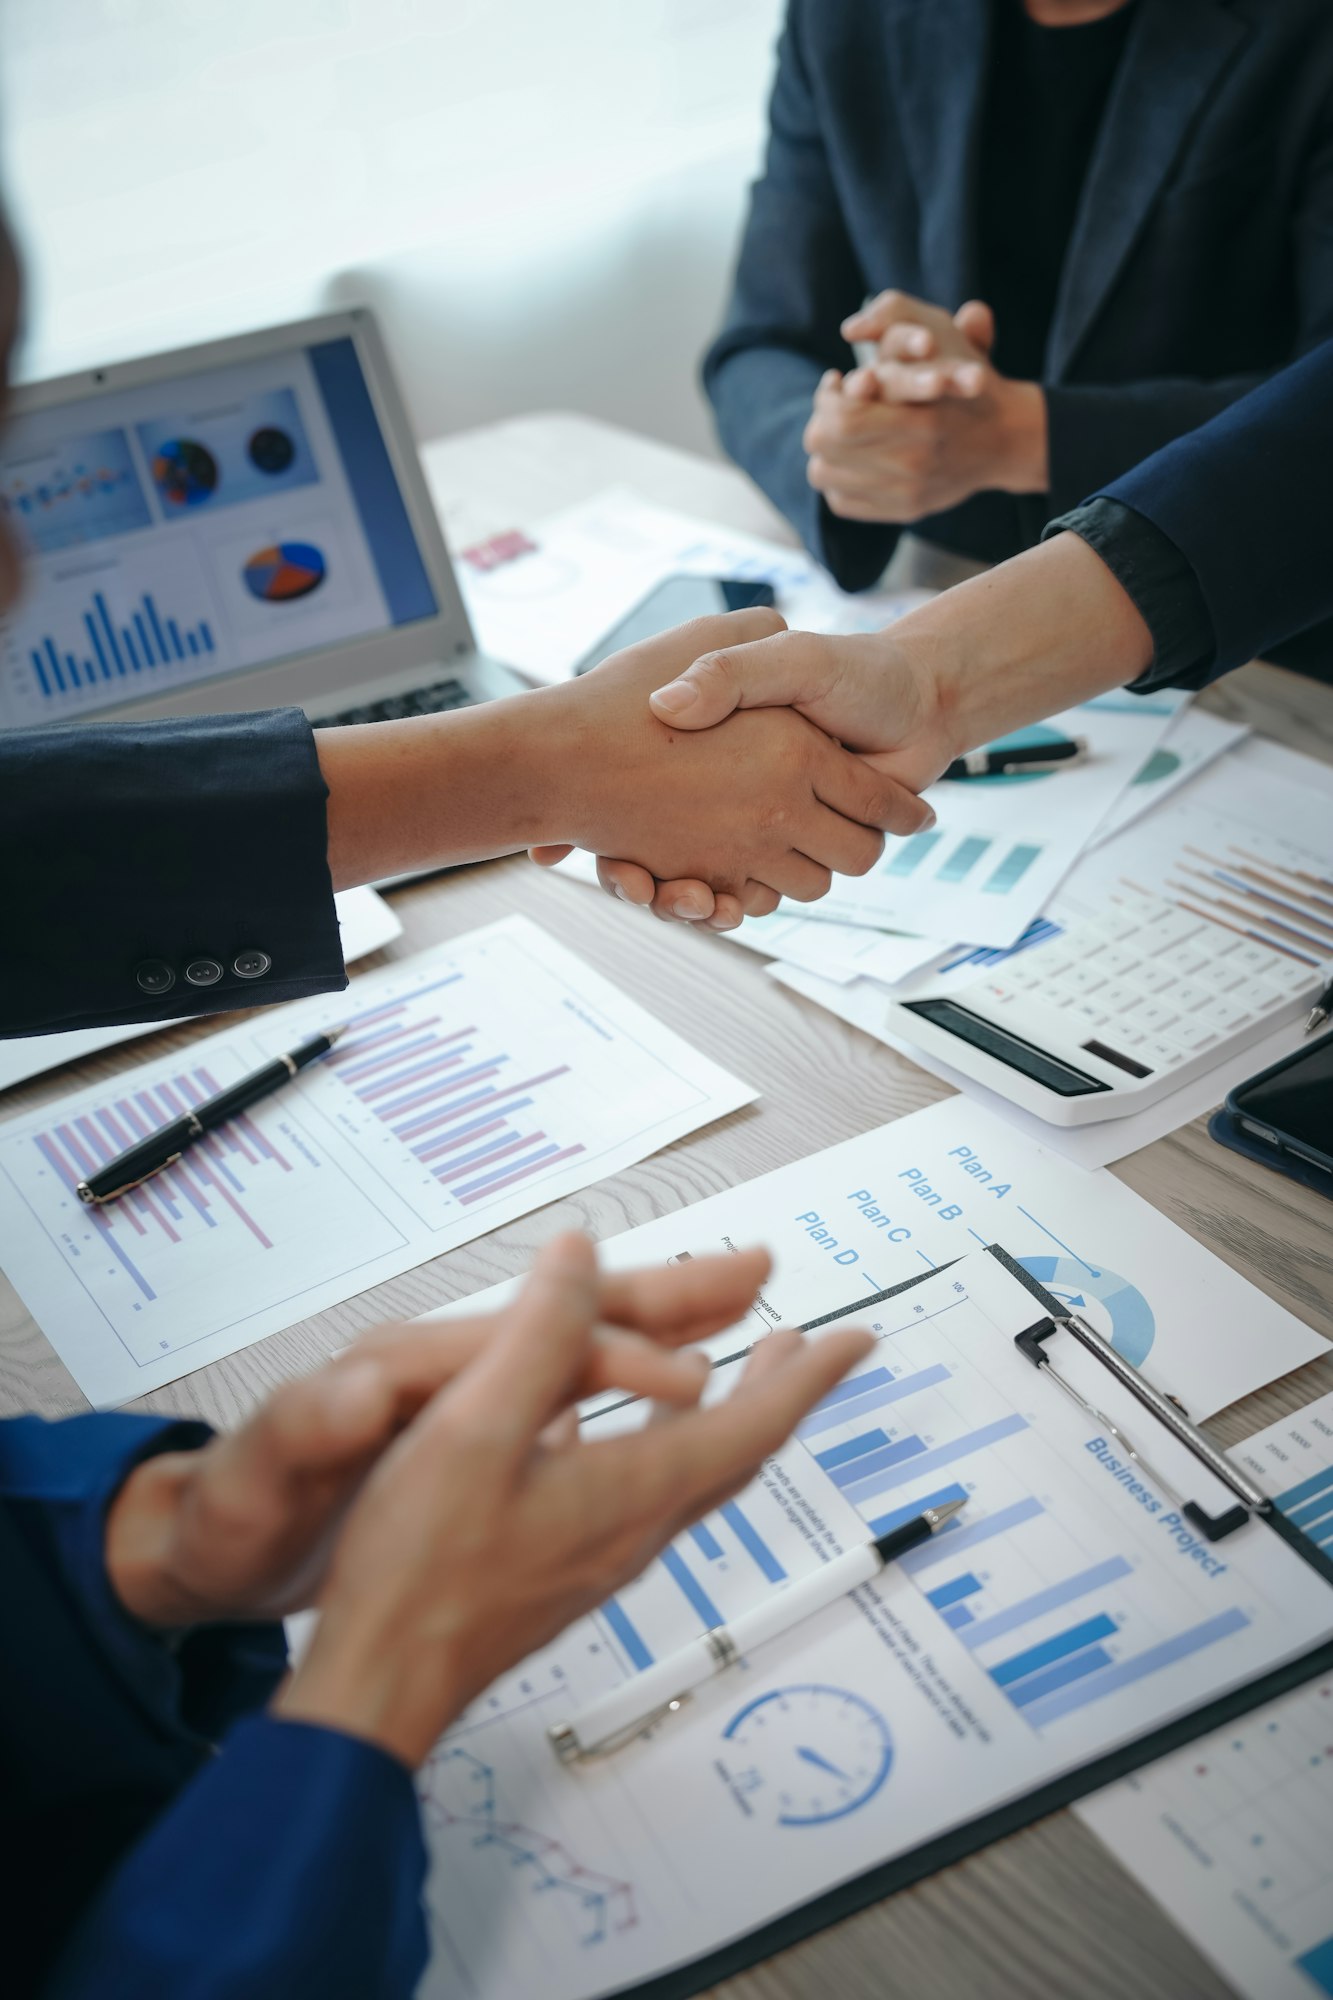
(1067, 1610)
(1001, 846)
(475, 1082)
(1234, 1835)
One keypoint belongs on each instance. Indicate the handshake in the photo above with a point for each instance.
(753, 764)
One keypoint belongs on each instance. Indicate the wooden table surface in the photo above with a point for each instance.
(1046, 1914)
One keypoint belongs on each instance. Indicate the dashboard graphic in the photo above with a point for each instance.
(812, 1753)
(1131, 1327)
(284, 571)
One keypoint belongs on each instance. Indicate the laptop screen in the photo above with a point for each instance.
(195, 527)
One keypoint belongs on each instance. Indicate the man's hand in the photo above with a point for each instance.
(244, 1527)
(928, 423)
(767, 806)
(484, 1530)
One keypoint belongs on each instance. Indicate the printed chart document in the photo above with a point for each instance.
(1067, 1611)
(1002, 846)
(1234, 1835)
(365, 921)
(907, 1196)
(478, 1081)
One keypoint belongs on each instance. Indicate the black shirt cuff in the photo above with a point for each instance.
(1149, 566)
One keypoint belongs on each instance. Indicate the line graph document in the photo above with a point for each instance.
(1066, 1611)
(476, 1081)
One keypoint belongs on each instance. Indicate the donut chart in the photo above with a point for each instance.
(185, 472)
(284, 571)
(1132, 1326)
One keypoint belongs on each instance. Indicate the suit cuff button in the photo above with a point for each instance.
(203, 972)
(251, 964)
(154, 976)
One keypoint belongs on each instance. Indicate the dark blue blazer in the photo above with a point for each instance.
(1201, 258)
(160, 1835)
(136, 855)
(1245, 500)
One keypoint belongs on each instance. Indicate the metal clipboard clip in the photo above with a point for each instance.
(1031, 1345)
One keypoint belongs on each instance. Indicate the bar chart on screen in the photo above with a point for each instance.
(471, 1084)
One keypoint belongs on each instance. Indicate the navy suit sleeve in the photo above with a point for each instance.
(293, 1865)
(160, 845)
(1244, 500)
(292, 1862)
(1096, 432)
(797, 278)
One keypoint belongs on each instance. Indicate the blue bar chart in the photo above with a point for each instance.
(111, 649)
(1309, 1506)
(717, 1568)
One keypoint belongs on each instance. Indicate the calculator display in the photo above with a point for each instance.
(1061, 1077)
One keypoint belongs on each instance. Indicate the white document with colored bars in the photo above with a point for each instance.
(1234, 1835)
(1065, 1612)
(478, 1081)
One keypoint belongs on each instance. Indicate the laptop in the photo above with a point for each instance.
(238, 525)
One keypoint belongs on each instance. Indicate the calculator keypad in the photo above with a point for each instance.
(1149, 980)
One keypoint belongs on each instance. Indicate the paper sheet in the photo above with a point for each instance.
(1192, 741)
(1067, 1610)
(365, 920)
(1234, 1835)
(409, 1140)
(870, 1212)
(546, 608)
(1002, 846)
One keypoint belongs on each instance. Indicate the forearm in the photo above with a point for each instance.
(439, 789)
(1037, 635)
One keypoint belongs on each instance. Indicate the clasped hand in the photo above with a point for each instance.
(925, 424)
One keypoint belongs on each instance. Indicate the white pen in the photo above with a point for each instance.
(616, 1718)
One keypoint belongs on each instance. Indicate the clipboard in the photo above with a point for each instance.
(1252, 1514)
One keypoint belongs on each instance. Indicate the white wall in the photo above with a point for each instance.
(540, 196)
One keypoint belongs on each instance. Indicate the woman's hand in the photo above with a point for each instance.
(491, 1523)
(244, 1527)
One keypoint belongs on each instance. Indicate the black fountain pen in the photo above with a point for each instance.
(164, 1147)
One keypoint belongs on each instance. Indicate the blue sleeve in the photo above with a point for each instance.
(102, 1721)
(154, 869)
(797, 278)
(1244, 500)
(292, 1866)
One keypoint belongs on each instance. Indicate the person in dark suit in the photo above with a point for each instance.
(1173, 575)
(1102, 221)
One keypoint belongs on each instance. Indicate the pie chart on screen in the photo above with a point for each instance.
(285, 570)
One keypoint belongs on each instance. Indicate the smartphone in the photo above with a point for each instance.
(1290, 1106)
(676, 600)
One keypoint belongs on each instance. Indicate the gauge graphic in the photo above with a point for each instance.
(808, 1754)
(185, 473)
(271, 450)
(1021, 739)
(284, 571)
(1132, 1326)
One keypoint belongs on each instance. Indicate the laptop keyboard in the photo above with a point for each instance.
(432, 700)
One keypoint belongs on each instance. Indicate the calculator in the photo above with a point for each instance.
(1115, 1012)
